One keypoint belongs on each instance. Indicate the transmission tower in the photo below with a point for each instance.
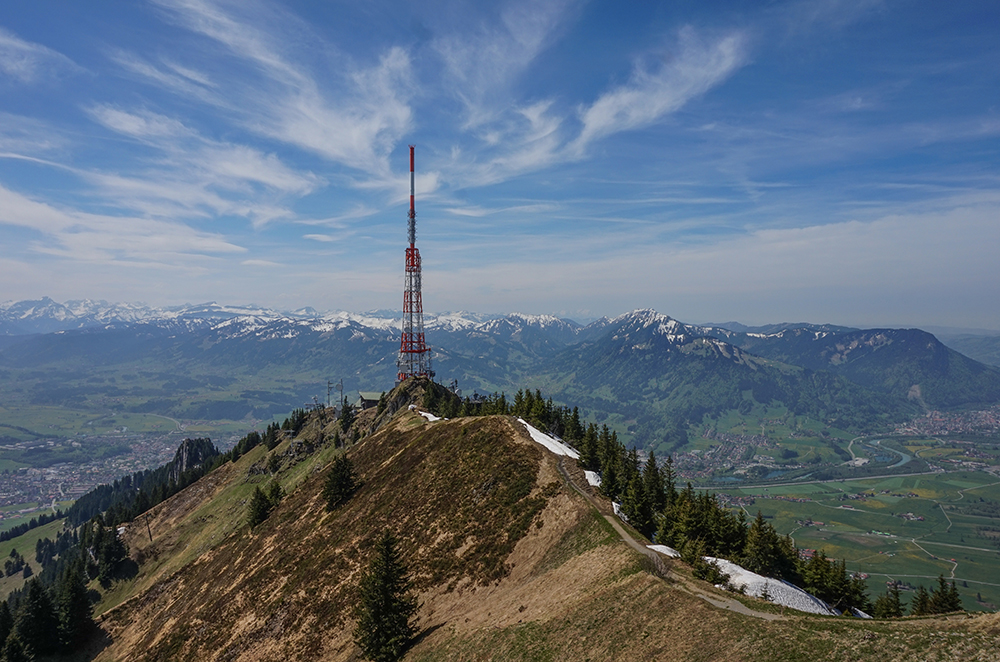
(414, 354)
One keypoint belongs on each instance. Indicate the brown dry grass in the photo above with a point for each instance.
(510, 564)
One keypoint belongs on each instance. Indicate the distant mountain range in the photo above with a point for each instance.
(650, 375)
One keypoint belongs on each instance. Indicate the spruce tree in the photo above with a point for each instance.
(260, 508)
(945, 598)
(589, 452)
(385, 604)
(763, 549)
(275, 494)
(110, 553)
(888, 605)
(921, 604)
(635, 505)
(609, 479)
(653, 484)
(669, 480)
(73, 609)
(6, 622)
(346, 418)
(35, 624)
(340, 482)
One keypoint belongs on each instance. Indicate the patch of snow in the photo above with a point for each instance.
(430, 417)
(593, 478)
(553, 444)
(779, 592)
(666, 551)
(617, 507)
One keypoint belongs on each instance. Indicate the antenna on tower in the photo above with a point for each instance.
(414, 354)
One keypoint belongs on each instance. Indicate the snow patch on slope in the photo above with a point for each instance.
(550, 442)
(778, 591)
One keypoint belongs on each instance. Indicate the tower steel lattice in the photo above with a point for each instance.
(414, 354)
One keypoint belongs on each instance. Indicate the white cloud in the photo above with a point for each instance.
(359, 133)
(699, 64)
(83, 237)
(28, 135)
(25, 61)
(189, 173)
(482, 65)
(353, 116)
(141, 124)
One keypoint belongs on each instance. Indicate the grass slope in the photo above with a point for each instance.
(509, 561)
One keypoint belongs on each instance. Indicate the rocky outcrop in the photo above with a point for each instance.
(190, 454)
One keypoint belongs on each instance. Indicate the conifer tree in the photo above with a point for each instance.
(669, 480)
(653, 484)
(385, 604)
(340, 482)
(921, 604)
(888, 605)
(574, 430)
(346, 418)
(945, 598)
(6, 621)
(260, 508)
(73, 609)
(589, 453)
(110, 553)
(35, 624)
(636, 507)
(275, 494)
(762, 550)
(609, 479)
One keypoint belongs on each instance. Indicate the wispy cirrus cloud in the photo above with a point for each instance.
(99, 238)
(26, 62)
(699, 64)
(28, 136)
(533, 136)
(482, 65)
(189, 173)
(353, 116)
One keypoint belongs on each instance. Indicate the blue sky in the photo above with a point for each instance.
(826, 161)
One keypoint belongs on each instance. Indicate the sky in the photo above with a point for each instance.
(830, 161)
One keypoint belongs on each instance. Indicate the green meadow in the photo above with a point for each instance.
(905, 528)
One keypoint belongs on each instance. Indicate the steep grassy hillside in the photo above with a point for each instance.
(511, 562)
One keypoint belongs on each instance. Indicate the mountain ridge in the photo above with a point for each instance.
(657, 375)
(509, 561)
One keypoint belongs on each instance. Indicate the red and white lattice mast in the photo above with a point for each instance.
(414, 354)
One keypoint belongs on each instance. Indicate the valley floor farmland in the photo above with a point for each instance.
(904, 528)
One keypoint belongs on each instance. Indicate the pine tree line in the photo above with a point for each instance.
(943, 599)
(35, 522)
(562, 422)
(42, 619)
(693, 522)
(698, 525)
